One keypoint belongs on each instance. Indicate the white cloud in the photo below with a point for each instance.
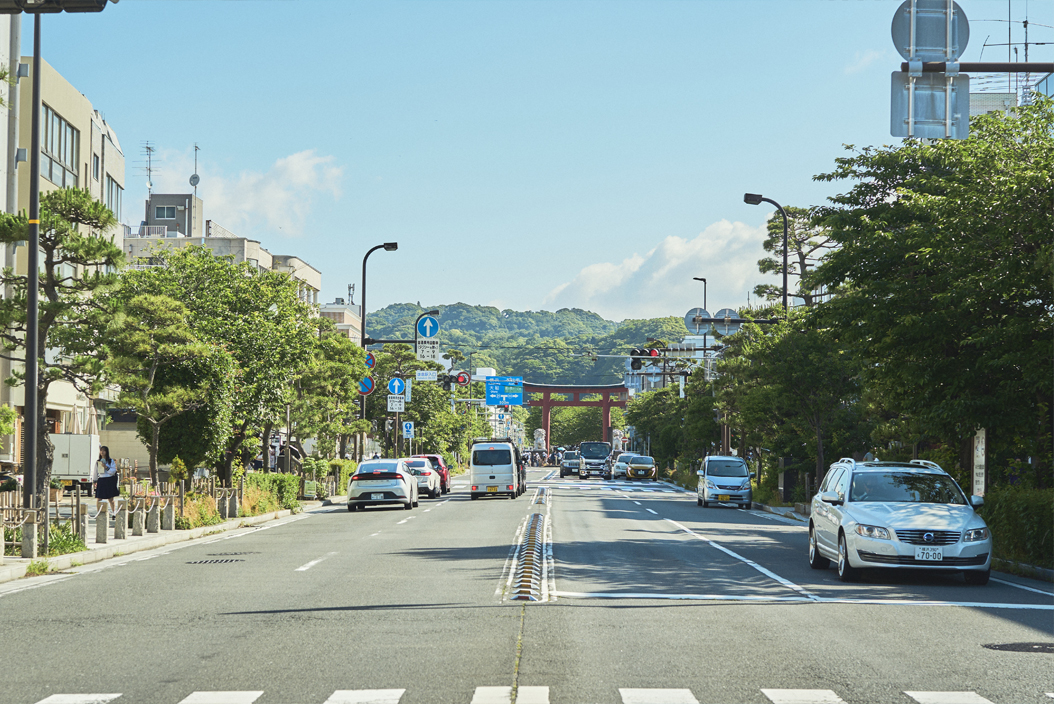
(862, 60)
(277, 201)
(660, 282)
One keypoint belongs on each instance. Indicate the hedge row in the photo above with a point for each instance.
(1022, 524)
(284, 487)
(342, 469)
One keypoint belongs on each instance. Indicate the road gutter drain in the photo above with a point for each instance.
(527, 579)
(212, 562)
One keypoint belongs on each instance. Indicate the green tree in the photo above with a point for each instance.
(77, 264)
(807, 243)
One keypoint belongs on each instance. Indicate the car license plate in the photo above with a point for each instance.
(723, 497)
(492, 488)
(67, 482)
(926, 554)
(376, 497)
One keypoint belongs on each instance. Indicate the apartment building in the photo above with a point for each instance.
(345, 316)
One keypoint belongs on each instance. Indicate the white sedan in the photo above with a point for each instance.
(619, 469)
(378, 482)
(428, 480)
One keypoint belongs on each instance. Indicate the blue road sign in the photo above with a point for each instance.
(408, 429)
(427, 327)
(371, 361)
(366, 386)
(504, 390)
(396, 386)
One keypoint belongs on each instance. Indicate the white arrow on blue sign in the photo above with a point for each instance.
(427, 326)
(396, 386)
(408, 429)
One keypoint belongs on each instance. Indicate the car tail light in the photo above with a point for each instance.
(509, 487)
(474, 488)
(426, 473)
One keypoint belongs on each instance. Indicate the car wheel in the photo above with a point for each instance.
(977, 578)
(746, 506)
(698, 501)
(435, 493)
(351, 507)
(846, 572)
(417, 501)
(408, 505)
(816, 560)
(474, 496)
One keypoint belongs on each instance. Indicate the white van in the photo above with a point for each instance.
(496, 469)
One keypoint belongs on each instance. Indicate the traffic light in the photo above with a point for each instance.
(464, 378)
(447, 381)
(635, 355)
(652, 352)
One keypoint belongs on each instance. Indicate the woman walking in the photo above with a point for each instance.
(105, 487)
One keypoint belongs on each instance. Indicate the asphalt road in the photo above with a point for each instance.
(649, 599)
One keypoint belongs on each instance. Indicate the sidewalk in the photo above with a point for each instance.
(15, 567)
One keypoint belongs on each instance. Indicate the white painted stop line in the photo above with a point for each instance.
(948, 698)
(802, 696)
(658, 696)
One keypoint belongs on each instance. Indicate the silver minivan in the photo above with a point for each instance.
(494, 470)
(724, 480)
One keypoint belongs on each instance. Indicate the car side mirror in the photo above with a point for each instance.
(977, 502)
(701, 473)
(829, 497)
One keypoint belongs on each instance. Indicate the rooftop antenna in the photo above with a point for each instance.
(351, 294)
(148, 149)
(194, 178)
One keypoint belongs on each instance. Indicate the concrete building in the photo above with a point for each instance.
(177, 220)
(79, 149)
(984, 103)
(345, 316)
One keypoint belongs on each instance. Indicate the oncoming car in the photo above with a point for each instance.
(725, 480)
(640, 467)
(569, 465)
(897, 515)
(378, 482)
(621, 466)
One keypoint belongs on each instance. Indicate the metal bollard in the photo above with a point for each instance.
(168, 518)
(102, 524)
(120, 525)
(29, 535)
(232, 509)
(137, 519)
(82, 521)
(153, 516)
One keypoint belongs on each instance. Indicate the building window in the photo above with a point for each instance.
(114, 194)
(95, 166)
(60, 142)
(164, 212)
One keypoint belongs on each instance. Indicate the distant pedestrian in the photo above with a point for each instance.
(105, 483)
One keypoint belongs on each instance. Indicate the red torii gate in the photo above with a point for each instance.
(547, 403)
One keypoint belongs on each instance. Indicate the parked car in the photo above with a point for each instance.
(378, 482)
(496, 468)
(428, 481)
(724, 479)
(569, 465)
(640, 467)
(440, 466)
(621, 466)
(897, 515)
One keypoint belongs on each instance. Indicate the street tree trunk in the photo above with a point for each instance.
(155, 441)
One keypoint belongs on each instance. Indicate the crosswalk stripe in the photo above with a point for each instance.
(532, 695)
(948, 698)
(657, 696)
(802, 696)
(366, 696)
(492, 695)
(222, 698)
(79, 698)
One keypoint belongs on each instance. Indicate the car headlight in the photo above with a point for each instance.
(746, 485)
(872, 532)
(710, 484)
(975, 534)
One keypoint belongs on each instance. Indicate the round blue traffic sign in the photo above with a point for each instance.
(427, 327)
(367, 385)
(396, 386)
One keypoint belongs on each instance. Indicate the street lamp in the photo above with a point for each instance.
(387, 247)
(757, 199)
(32, 380)
(696, 278)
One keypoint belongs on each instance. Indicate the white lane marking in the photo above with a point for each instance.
(637, 502)
(427, 510)
(408, 518)
(366, 696)
(688, 597)
(910, 602)
(768, 573)
(948, 698)
(309, 565)
(650, 511)
(657, 696)
(373, 534)
(222, 698)
(1050, 694)
(532, 695)
(505, 584)
(79, 699)
(492, 695)
(802, 696)
(1022, 586)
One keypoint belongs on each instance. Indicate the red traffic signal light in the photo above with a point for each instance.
(464, 378)
(652, 352)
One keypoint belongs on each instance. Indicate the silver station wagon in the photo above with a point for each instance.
(897, 515)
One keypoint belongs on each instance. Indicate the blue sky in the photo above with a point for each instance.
(526, 154)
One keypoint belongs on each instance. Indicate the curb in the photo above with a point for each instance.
(1007, 567)
(60, 563)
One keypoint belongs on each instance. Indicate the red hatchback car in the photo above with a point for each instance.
(440, 466)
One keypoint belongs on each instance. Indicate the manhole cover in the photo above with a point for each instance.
(212, 562)
(1022, 647)
(230, 554)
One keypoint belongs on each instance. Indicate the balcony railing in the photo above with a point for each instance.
(214, 230)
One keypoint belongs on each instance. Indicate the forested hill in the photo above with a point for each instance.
(541, 346)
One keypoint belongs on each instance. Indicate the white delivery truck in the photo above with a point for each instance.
(75, 455)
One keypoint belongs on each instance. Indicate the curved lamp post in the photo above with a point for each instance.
(757, 199)
(387, 247)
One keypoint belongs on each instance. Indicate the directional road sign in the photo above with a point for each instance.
(426, 375)
(408, 429)
(371, 361)
(504, 390)
(367, 385)
(409, 386)
(396, 386)
(396, 403)
(428, 350)
(427, 326)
